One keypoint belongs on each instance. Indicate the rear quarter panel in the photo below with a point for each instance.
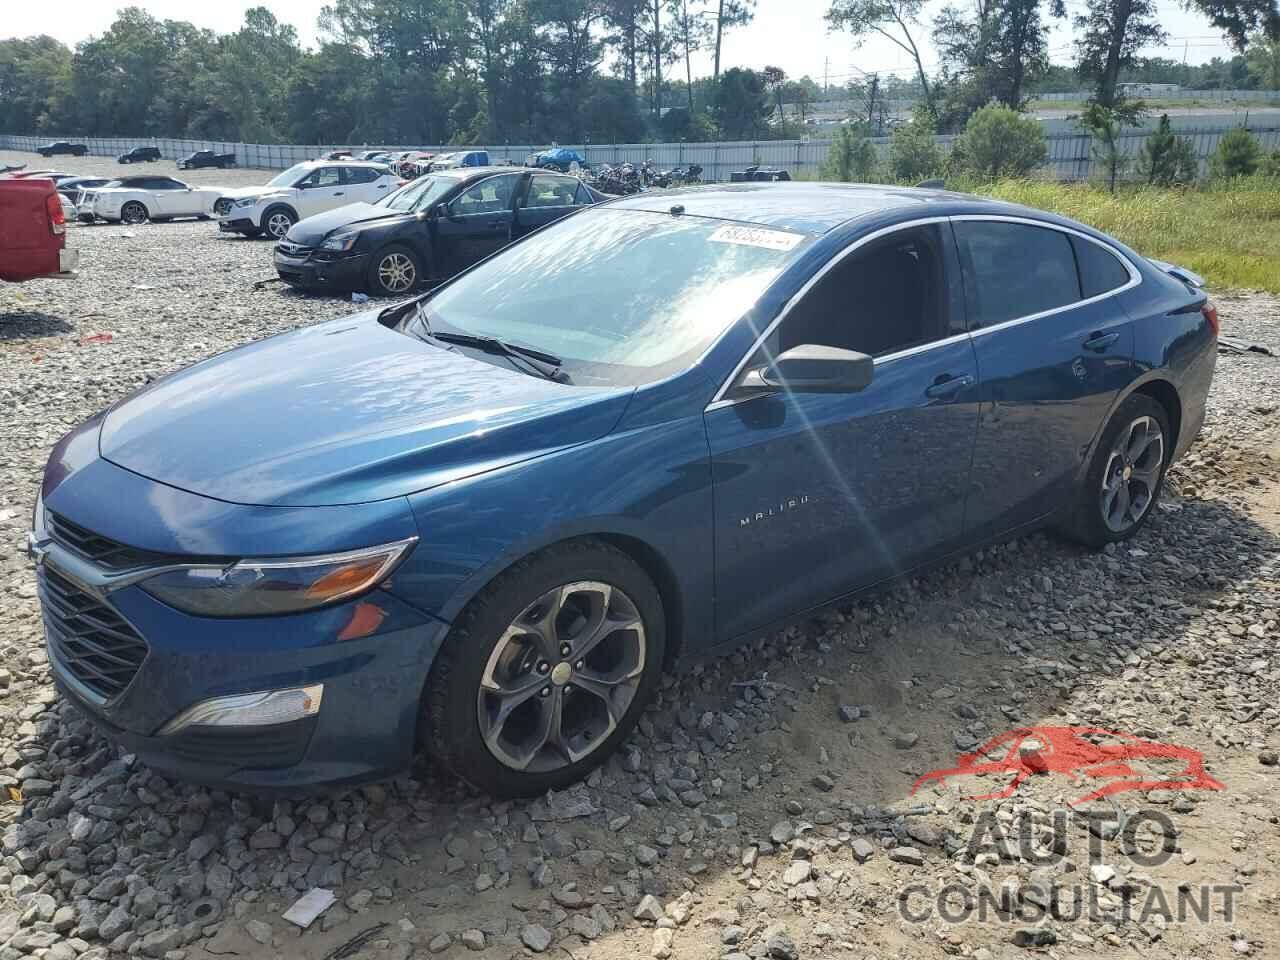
(1173, 342)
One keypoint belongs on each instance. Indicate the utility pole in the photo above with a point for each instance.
(871, 101)
(826, 72)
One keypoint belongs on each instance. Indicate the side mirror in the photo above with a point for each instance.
(812, 368)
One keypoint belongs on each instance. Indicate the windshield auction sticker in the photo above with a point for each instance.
(757, 237)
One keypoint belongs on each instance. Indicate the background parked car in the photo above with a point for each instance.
(70, 187)
(558, 158)
(139, 155)
(426, 231)
(62, 148)
(303, 190)
(139, 199)
(207, 158)
(463, 158)
(33, 231)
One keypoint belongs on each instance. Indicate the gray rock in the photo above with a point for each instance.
(908, 855)
(863, 849)
(439, 943)
(649, 908)
(472, 939)
(118, 921)
(536, 937)
(779, 945)
(260, 930)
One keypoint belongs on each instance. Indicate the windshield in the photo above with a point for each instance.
(419, 194)
(289, 177)
(622, 296)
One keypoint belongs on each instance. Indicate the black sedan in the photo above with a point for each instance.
(206, 158)
(62, 148)
(426, 231)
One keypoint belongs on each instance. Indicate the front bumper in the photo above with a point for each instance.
(365, 728)
(345, 273)
(236, 225)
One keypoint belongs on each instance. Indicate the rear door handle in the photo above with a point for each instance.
(1100, 341)
(947, 385)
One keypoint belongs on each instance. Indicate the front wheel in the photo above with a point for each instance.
(133, 212)
(277, 222)
(394, 271)
(1125, 475)
(546, 671)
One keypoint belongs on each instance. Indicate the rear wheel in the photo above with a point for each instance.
(546, 671)
(133, 212)
(394, 271)
(1125, 475)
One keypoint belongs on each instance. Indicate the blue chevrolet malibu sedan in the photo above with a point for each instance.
(484, 521)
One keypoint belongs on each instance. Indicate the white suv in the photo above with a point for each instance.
(302, 191)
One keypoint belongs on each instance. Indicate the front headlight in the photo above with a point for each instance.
(247, 202)
(341, 243)
(260, 588)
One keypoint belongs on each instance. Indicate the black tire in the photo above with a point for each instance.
(450, 722)
(128, 213)
(125, 160)
(379, 272)
(272, 217)
(1086, 522)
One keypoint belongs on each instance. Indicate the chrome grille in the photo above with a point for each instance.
(88, 638)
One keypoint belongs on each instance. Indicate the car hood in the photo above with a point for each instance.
(345, 412)
(312, 230)
(243, 193)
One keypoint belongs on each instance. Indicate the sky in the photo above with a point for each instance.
(790, 34)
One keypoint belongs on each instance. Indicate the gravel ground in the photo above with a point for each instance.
(764, 808)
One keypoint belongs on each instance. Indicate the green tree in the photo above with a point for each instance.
(1263, 62)
(1105, 126)
(999, 142)
(1238, 155)
(1166, 159)
(913, 152)
(35, 79)
(992, 53)
(892, 19)
(729, 14)
(741, 106)
(852, 157)
(1110, 34)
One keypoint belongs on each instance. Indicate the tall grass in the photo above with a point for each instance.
(1227, 231)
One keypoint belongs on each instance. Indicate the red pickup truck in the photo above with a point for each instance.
(33, 232)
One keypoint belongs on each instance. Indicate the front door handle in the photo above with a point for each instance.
(947, 385)
(1100, 341)
(340, 193)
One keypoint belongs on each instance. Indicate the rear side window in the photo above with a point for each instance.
(1100, 271)
(1014, 270)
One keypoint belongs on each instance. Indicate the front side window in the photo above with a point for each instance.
(1014, 270)
(622, 296)
(891, 295)
(323, 177)
(491, 195)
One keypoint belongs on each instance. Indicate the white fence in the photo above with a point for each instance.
(1158, 93)
(1069, 153)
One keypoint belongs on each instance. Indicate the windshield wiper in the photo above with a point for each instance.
(544, 364)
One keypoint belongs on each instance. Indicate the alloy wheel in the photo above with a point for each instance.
(278, 224)
(396, 273)
(561, 677)
(133, 213)
(1132, 474)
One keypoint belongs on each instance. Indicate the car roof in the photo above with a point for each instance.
(467, 173)
(346, 162)
(804, 207)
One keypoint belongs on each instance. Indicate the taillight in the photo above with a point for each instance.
(53, 207)
(1210, 311)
